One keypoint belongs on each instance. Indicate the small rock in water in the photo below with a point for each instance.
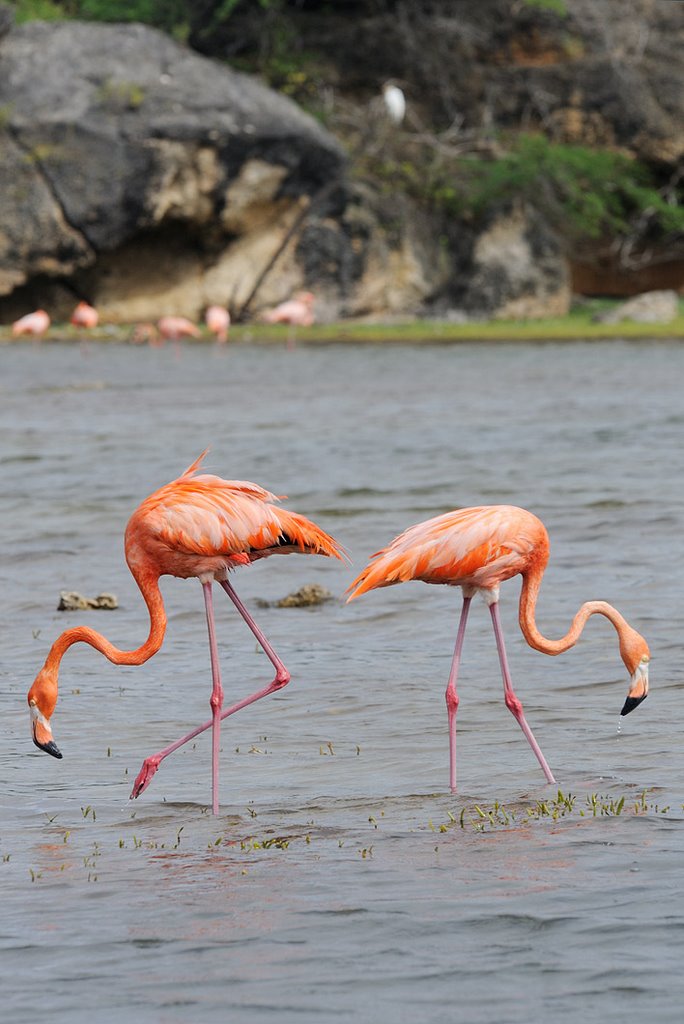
(308, 595)
(72, 601)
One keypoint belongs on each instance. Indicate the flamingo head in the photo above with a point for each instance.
(42, 698)
(636, 656)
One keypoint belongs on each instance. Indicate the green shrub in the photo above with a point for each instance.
(585, 193)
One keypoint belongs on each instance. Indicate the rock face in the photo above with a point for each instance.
(517, 270)
(151, 179)
(658, 307)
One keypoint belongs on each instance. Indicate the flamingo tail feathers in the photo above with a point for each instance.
(303, 535)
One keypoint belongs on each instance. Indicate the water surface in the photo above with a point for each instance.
(341, 881)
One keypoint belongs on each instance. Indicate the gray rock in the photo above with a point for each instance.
(72, 601)
(518, 269)
(657, 307)
(307, 595)
(114, 130)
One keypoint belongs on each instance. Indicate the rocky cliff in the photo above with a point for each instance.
(146, 177)
(149, 179)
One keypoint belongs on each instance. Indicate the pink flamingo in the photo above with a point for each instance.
(85, 316)
(297, 310)
(172, 328)
(199, 526)
(35, 323)
(217, 320)
(477, 549)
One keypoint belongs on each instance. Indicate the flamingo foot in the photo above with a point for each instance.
(145, 775)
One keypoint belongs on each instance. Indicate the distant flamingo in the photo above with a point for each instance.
(477, 549)
(146, 333)
(172, 328)
(298, 311)
(199, 526)
(35, 323)
(85, 316)
(217, 320)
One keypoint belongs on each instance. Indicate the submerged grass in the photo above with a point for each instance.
(596, 805)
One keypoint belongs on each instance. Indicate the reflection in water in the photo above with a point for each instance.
(339, 882)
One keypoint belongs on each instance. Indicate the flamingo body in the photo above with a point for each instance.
(85, 316)
(171, 328)
(478, 549)
(297, 311)
(205, 526)
(217, 320)
(197, 525)
(35, 323)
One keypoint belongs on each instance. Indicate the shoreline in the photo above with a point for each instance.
(573, 327)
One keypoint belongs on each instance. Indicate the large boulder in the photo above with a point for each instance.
(518, 269)
(148, 177)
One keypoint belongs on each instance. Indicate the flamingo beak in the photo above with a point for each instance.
(631, 703)
(42, 734)
(638, 691)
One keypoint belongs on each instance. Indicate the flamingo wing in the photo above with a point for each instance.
(206, 517)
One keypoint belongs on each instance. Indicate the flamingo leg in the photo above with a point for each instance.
(216, 700)
(513, 704)
(282, 678)
(451, 694)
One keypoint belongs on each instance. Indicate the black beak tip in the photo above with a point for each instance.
(50, 748)
(630, 704)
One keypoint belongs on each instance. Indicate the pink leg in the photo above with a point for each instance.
(512, 703)
(451, 695)
(282, 678)
(216, 700)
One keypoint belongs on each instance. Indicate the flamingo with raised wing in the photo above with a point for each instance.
(477, 549)
(195, 526)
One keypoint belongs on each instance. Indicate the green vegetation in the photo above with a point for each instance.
(121, 95)
(556, 6)
(42, 10)
(170, 15)
(596, 805)
(173, 16)
(588, 193)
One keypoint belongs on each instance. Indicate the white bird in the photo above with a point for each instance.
(395, 102)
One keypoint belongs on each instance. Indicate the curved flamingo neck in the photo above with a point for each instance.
(149, 588)
(528, 602)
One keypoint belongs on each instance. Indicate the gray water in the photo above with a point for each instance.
(342, 881)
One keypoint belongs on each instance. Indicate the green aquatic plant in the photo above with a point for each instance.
(596, 805)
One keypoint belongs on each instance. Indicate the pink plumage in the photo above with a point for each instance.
(297, 310)
(85, 315)
(217, 320)
(35, 323)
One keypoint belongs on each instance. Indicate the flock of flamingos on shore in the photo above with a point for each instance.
(202, 526)
(297, 311)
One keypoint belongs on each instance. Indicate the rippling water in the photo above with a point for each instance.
(342, 880)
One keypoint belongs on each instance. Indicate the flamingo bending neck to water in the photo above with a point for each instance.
(477, 549)
(199, 526)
